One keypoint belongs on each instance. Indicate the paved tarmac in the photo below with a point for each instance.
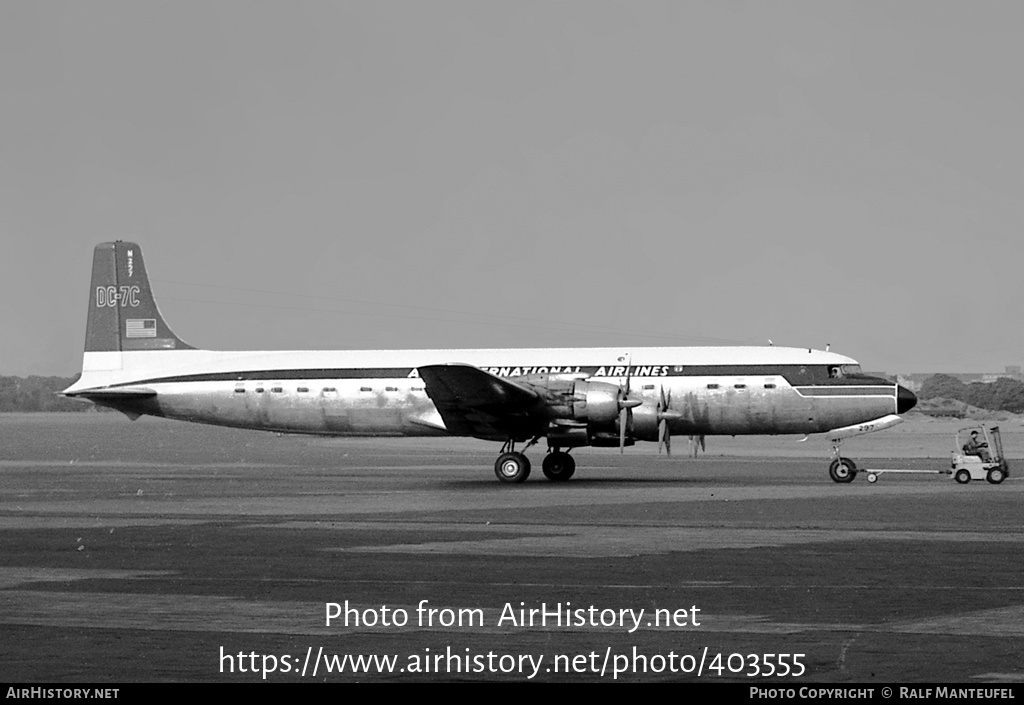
(160, 551)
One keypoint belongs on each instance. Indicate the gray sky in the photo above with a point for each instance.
(436, 174)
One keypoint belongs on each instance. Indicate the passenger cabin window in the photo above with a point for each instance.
(277, 390)
(330, 389)
(712, 386)
(239, 390)
(365, 389)
(740, 386)
(390, 389)
(303, 389)
(769, 385)
(259, 390)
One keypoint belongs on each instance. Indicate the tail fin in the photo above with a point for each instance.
(123, 315)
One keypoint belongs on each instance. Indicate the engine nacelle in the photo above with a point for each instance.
(645, 421)
(571, 398)
(568, 437)
(597, 403)
(594, 407)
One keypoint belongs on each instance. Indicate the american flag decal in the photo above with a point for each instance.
(140, 328)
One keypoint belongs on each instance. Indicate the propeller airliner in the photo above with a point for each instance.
(567, 397)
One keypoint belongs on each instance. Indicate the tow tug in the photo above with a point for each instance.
(981, 461)
(973, 458)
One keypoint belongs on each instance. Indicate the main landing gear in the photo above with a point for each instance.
(841, 469)
(514, 467)
(558, 466)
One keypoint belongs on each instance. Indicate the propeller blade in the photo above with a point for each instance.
(664, 416)
(622, 429)
(626, 404)
(629, 365)
(694, 442)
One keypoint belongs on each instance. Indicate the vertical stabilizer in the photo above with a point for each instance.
(123, 315)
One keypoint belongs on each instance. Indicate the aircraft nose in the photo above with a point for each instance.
(905, 400)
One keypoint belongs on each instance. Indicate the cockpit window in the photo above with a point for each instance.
(840, 371)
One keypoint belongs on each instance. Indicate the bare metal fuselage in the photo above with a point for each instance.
(379, 393)
(571, 397)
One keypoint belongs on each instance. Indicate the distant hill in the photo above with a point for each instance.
(953, 408)
(1003, 394)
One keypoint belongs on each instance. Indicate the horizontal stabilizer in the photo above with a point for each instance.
(114, 394)
(128, 400)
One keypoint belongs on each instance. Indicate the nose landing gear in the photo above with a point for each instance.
(841, 469)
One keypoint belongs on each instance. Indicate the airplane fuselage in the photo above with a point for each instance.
(743, 390)
(572, 397)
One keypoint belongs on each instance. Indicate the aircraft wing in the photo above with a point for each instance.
(476, 403)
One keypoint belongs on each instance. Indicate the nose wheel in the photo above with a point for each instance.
(842, 470)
